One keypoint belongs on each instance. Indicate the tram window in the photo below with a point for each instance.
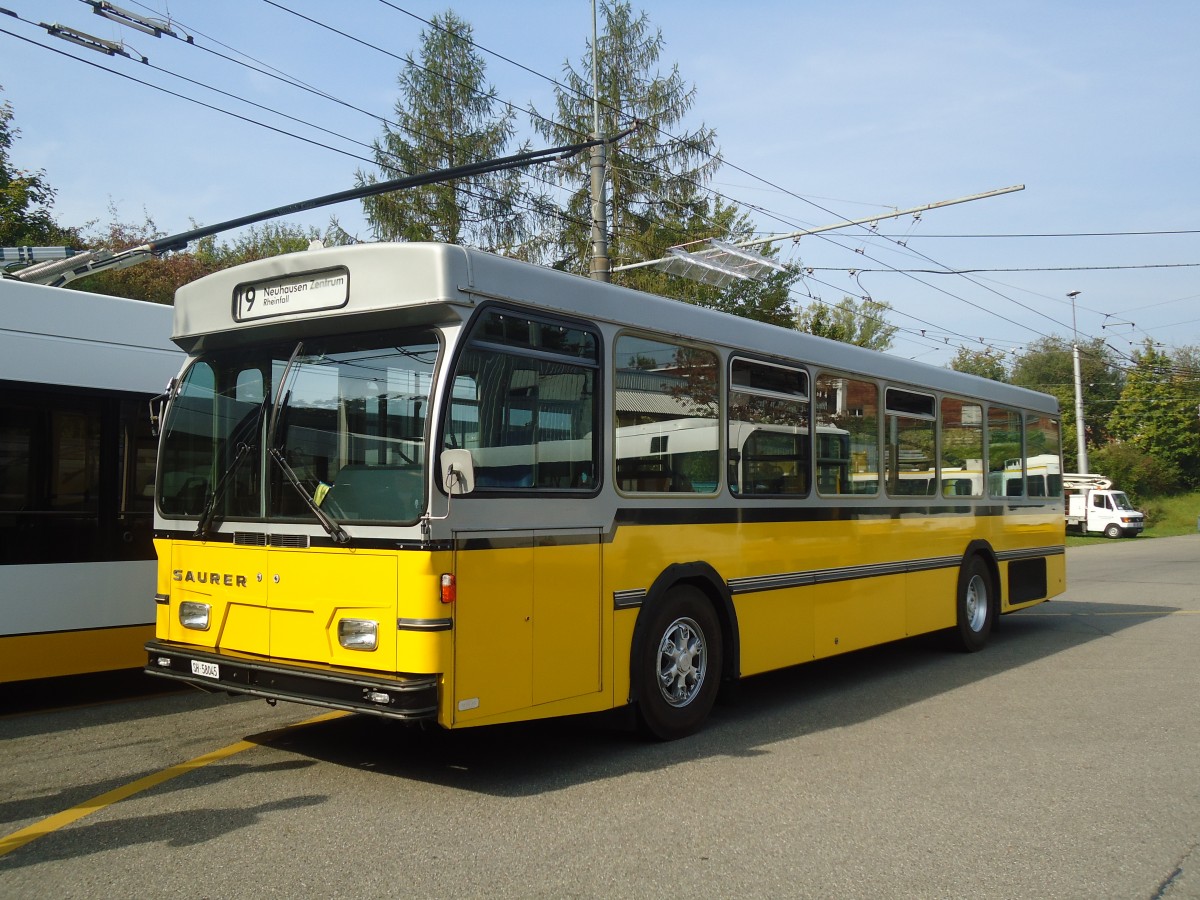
(769, 446)
(140, 452)
(74, 460)
(667, 417)
(65, 462)
(16, 455)
(848, 411)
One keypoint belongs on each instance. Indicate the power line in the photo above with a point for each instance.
(1019, 269)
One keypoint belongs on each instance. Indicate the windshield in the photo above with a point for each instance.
(1120, 501)
(349, 422)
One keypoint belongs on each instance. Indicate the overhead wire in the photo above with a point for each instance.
(739, 204)
(280, 131)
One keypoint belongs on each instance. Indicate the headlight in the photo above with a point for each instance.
(358, 634)
(194, 615)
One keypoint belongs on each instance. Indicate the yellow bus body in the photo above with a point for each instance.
(640, 515)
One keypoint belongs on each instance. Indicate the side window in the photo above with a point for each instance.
(847, 427)
(961, 448)
(1006, 469)
(523, 403)
(51, 475)
(909, 443)
(667, 417)
(1042, 457)
(769, 443)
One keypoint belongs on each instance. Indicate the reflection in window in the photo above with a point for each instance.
(75, 470)
(768, 429)
(909, 457)
(1006, 470)
(1043, 447)
(523, 403)
(666, 416)
(350, 422)
(962, 448)
(847, 436)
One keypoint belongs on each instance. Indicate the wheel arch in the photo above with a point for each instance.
(704, 577)
(985, 552)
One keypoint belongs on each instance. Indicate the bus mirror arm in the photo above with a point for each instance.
(158, 404)
(458, 477)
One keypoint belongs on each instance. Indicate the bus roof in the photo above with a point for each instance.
(56, 336)
(410, 283)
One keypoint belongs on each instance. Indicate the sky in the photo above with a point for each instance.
(824, 112)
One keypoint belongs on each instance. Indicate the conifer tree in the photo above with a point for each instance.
(447, 115)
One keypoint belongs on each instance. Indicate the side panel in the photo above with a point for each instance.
(776, 628)
(850, 615)
(932, 600)
(72, 652)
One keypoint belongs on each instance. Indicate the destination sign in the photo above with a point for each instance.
(310, 292)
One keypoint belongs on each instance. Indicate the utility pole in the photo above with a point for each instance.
(600, 270)
(1081, 437)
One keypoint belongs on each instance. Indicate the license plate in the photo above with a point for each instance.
(206, 669)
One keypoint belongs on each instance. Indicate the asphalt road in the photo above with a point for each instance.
(1062, 761)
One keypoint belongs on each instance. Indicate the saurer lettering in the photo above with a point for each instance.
(218, 578)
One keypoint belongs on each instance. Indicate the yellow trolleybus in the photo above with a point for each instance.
(430, 483)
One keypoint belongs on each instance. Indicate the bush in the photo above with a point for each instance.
(1135, 473)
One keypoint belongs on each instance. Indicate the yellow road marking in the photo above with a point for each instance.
(87, 807)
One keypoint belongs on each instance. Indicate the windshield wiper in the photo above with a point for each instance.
(332, 528)
(209, 513)
(210, 508)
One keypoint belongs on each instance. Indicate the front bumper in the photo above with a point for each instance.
(407, 697)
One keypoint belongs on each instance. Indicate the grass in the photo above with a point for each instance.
(1165, 517)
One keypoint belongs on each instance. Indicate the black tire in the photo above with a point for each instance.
(679, 665)
(1113, 531)
(976, 605)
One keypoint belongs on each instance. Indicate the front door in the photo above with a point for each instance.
(527, 623)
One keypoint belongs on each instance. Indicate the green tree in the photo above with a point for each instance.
(1134, 471)
(864, 324)
(1047, 366)
(987, 363)
(655, 179)
(156, 279)
(1157, 411)
(447, 116)
(26, 198)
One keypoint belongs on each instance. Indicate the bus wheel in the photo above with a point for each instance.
(1112, 531)
(976, 608)
(680, 667)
